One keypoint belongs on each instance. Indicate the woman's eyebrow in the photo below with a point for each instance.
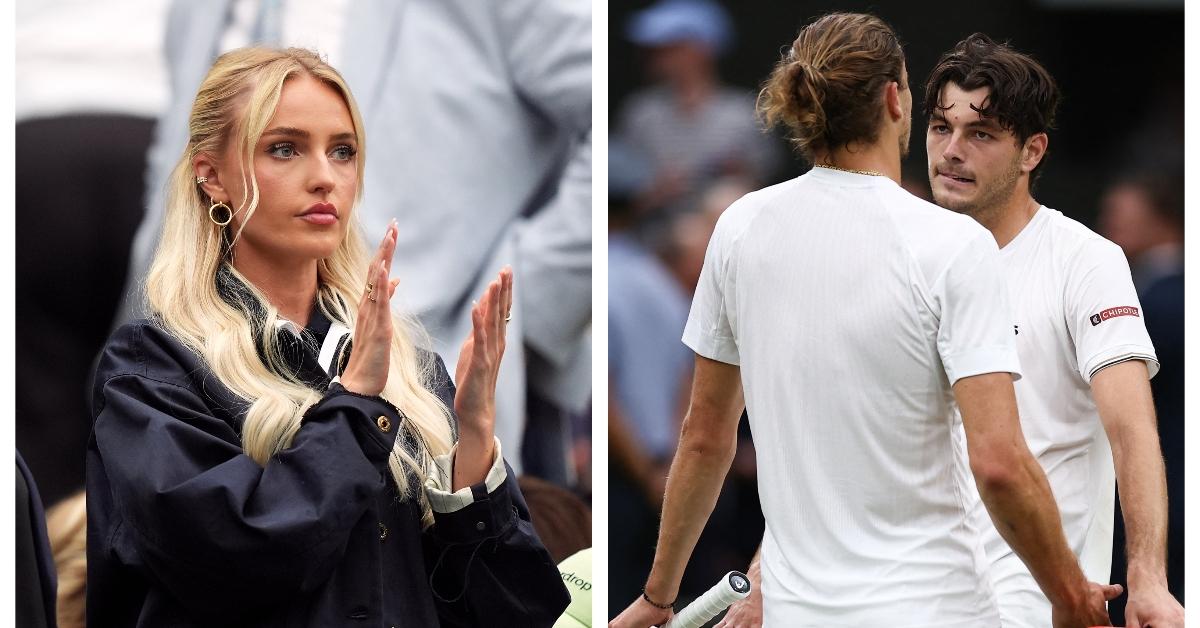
(288, 131)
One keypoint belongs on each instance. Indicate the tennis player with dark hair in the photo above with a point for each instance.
(848, 317)
(1085, 400)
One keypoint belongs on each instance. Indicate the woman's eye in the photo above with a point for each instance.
(344, 153)
(285, 151)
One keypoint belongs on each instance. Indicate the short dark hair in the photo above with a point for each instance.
(828, 86)
(1024, 97)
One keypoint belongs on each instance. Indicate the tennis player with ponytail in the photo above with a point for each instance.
(254, 462)
(850, 316)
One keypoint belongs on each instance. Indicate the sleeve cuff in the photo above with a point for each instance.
(980, 361)
(440, 481)
(374, 421)
(721, 349)
(1119, 354)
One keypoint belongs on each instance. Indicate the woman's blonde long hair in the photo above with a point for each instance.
(235, 103)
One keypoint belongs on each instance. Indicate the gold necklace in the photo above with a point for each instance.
(866, 172)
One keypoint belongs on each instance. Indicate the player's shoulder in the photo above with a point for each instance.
(146, 348)
(741, 213)
(1075, 242)
(909, 207)
(931, 230)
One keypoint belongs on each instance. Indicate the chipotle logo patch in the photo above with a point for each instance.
(1113, 312)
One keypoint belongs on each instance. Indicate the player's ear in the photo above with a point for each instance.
(1033, 151)
(892, 98)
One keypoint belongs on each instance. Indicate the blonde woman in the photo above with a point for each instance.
(254, 461)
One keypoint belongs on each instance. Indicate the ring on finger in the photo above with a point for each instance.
(508, 317)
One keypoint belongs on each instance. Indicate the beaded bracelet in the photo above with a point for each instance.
(656, 604)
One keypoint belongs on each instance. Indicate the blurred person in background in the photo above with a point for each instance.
(648, 377)
(1142, 212)
(480, 119)
(85, 104)
(689, 124)
(689, 233)
(846, 316)
(563, 521)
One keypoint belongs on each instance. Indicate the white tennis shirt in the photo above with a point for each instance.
(851, 307)
(1075, 312)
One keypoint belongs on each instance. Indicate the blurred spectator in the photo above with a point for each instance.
(648, 375)
(689, 124)
(480, 124)
(684, 249)
(562, 521)
(89, 83)
(66, 525)
(1143, 213)
(34, 569)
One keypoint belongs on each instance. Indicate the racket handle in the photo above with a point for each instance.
(733, 587)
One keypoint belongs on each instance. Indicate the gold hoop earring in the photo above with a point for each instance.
(228, 214)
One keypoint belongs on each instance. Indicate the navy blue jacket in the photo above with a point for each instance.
(184, 529)
(37, 579)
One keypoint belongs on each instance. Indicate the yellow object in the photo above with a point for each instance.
(576, 573)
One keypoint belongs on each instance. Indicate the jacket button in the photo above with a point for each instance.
(383, 532)
(384, 424)
(479, 525)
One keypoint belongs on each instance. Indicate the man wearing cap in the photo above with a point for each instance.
(689, 125)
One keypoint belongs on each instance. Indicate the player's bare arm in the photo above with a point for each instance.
(1018, 498)
(706, 447)
(1122, 394)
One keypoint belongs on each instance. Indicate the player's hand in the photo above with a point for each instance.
(367, 371)
(1090, 611)
(1152, 607)
(745, 613)
(641, 614)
